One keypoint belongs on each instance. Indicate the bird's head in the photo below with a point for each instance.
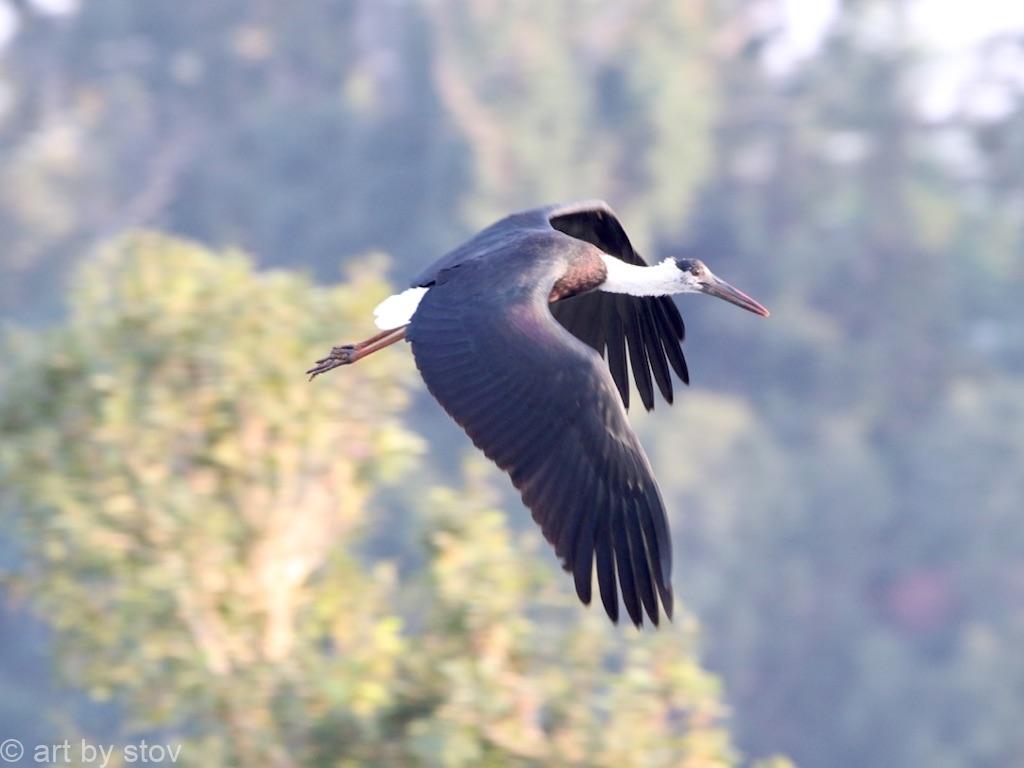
(695, 277)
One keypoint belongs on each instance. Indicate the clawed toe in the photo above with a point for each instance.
(350, 353)
(339, 356)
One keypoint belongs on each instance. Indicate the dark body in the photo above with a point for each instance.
(525, 379)
(650, 329)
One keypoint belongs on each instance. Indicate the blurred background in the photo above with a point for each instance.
(197, 547)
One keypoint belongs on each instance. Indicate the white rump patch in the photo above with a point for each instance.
(396, 311)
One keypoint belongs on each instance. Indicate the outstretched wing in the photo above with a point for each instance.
(543, 407)
(651, 327)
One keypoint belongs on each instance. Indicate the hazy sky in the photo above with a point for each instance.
(942, 25)
(951, 31)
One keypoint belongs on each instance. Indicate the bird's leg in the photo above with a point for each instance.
(350, 353)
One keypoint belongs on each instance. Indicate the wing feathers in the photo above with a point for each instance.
(656, 356)
(638, 359)
(652, 325)
(583, 560)
(624, 564)
(651, 328)
(642, 567)
(606, 568)
(616, 340)
(544, 408)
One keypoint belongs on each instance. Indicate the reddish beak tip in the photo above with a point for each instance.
(723, 290)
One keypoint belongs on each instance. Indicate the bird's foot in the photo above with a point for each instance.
(339, 356)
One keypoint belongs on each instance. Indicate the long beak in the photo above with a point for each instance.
(714, 286)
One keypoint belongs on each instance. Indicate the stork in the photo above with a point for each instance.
(521, 334)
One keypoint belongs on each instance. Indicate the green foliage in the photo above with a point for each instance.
(190, 511)
(337, 128)
(181, 484)
(538, 690)
(553, 107)
(851, 519)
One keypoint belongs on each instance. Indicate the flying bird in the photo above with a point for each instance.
(522, 334)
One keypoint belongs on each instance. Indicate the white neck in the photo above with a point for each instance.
(662, 279)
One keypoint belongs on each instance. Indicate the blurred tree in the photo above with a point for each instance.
(572, 99)
(302, 134)
(182, 487)
(309, 134)
(190, 511)
(866, 605)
